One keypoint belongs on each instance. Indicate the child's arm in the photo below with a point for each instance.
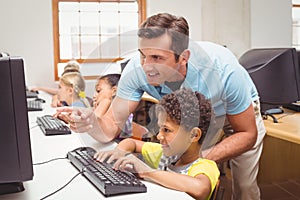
(55, 101)
(126, 146)
(49, 90)
(131, 145)
(102, 107)
(199, 187)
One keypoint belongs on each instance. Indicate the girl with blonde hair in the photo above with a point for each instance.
(71, 90)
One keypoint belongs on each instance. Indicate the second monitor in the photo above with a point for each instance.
(276, 74)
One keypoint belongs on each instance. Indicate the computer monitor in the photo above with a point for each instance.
(15, 150)
(276, 74)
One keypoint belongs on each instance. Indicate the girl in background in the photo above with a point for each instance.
(105, 91)
(71, 66)
(71, 90)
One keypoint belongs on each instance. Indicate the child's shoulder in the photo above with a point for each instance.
(204, 166)
(152, 145)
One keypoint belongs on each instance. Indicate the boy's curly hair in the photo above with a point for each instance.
(188, 109)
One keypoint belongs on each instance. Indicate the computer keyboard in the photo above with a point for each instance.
(31, 94)
(52, 126)
(34, 105)
(293, 106)
(101, 174)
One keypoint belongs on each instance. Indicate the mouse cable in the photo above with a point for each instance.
(81, 172)
(40, 163)
(34, 126)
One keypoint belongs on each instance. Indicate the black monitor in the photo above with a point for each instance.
(276, 74)
(15, 150)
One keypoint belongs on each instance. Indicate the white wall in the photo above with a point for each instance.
(271, 23)
(189, 9)
(26, 28)
(245, 24)
(227, 23)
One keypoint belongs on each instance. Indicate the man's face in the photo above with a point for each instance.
(158, 61)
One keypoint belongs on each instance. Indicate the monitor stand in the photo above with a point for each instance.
(273, 111)
(6, 188)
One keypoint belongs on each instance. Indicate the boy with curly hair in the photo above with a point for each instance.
(184, 118)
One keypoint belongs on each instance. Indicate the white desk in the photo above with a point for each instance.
(53, 175)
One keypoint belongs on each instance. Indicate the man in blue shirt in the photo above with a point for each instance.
(168, 60)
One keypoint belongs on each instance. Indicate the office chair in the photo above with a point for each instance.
(218, 192)
(145, 116)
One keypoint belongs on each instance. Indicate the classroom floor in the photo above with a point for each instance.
(286, 190)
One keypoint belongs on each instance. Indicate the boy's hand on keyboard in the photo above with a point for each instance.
(133, 164)
(110, 156)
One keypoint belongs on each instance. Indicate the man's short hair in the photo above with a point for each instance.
(176, 27)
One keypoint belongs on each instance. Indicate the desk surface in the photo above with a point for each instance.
(53, 175)
(287, 128)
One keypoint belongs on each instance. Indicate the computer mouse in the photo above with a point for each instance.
(41, 100)
(34, 91)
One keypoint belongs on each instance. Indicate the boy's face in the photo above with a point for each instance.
(173, 138)
(158, 61)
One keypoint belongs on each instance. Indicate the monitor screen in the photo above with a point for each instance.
(276, 74)
(15, 150)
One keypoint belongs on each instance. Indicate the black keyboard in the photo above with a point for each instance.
(31, 94)
(34, 105)
(52, 126)
(101, 174)
(293, 106)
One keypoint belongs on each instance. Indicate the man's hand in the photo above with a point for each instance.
(80, 119)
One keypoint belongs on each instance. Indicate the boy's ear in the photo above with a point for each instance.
(196, 134)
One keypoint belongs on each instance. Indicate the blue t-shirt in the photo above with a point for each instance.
(212, 70)
(78, 104)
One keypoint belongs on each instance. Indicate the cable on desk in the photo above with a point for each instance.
(34, 126)
(49, 161)
(285, 115)
(266, 114)
(81, 172)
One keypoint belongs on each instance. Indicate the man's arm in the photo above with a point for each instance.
(242, 140)
(104, 129)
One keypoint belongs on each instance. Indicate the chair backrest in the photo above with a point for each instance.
(218, 192)
(145, 115)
